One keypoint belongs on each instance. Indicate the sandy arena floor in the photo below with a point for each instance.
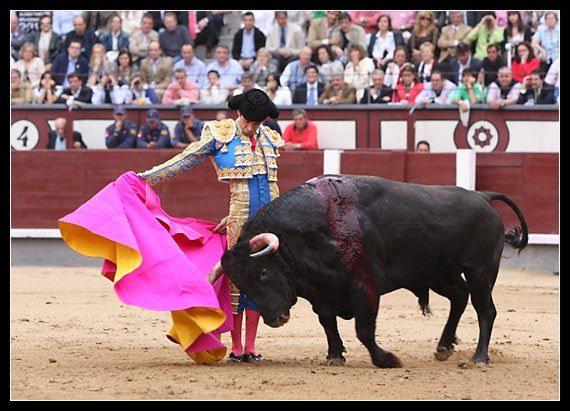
(71, 338)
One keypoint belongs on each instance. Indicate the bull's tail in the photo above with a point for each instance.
(516, 237)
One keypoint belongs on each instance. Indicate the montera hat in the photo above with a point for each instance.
(254, 105)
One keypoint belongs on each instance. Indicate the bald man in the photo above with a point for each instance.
(57, 140)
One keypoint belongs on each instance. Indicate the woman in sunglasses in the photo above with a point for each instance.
(424, 30)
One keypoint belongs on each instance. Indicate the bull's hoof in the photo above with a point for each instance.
(443, 353)
(482, 361)
(387, 360)
(336, 361)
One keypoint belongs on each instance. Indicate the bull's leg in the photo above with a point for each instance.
(458, 294)
(336, 347)
(480, 284)
(365, 320)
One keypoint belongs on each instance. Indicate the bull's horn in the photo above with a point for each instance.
(267, 240)
(215, 273)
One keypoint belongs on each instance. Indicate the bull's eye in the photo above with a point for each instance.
(263, 275)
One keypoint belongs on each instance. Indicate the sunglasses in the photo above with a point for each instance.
(425, 18)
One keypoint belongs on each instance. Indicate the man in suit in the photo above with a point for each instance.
(462, 61)
(76, 93)
(347, 34)
(81, 33)
(56, 138)
(338, 92)
(156, 70)
(285, 40)
(321, 30)
(451, 35)
(46, 36)
(536, 92)
(309, 92)
(247, 41)
(70, 61)
(158, 23)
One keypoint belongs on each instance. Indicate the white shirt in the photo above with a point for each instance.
(384, 44)
(43, 45)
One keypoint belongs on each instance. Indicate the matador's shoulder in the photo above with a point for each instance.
(273, 136)
(222, 130)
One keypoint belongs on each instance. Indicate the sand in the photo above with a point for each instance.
(71, 338)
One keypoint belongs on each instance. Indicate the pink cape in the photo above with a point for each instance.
(156, 262)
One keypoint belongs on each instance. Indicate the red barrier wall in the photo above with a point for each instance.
(46, 185)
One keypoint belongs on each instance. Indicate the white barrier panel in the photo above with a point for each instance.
(331, 161)
(533, 136)
(465, 169)
(394, 135)
(438, 133)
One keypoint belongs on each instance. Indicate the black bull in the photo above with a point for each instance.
(342, 241)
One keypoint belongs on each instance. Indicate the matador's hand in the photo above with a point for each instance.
(221, 227)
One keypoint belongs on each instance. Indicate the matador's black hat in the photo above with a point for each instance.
(254, 105)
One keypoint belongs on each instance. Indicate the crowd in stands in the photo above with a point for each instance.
(311, 58)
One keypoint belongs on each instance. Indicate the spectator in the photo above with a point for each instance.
(437, 91)
(525, 61)
(491, 64)
(246, 84)
(452, 35)
(28, 20)
(98, 21)
(469, 90)
(321, 30)
(194, 67)
(383, 42)
(422, 147)
(280, 95)
(409, 88)
(485, 33)
(534, 92)
(30, 67)
(111, 90)
(301, 134)
(63, 21)
(462, 61)
(131, 21)
(188, 130)
(327, 63)
(337, 92)
(358, 71)
(294, 73)
(57, 140)
(547, 40)
(123, 132)
(123, 66)
(70, 62)
(46, 41)
(214, 92)
(98, 65)
(140, 40)
(222, 115)
(17, 36)
(230, 70)
(140, 93)
(378, 93)
(81, 33)
(368, 20)
(156, 70)
(516, 32)
(347, 35)
(553, 76)
(285, 40)
(504, 91)
(20, 93)
(154, 134)
(46, 92)
(173, 37)
(115, 38)
(262, 66)
(182, 17)
(427, 62)
(181, 91)
(309, 92)
(424, 30)
(394, 66)
(209, 28)
(247, 41)
(76, 93)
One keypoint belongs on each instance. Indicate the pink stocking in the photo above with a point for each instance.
(237, 348)
(251, 321)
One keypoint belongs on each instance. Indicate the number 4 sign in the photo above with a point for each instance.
(24, 135)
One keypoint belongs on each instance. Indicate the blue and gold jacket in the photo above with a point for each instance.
(231, 150)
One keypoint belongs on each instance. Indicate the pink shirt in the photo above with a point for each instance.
(190, 90)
